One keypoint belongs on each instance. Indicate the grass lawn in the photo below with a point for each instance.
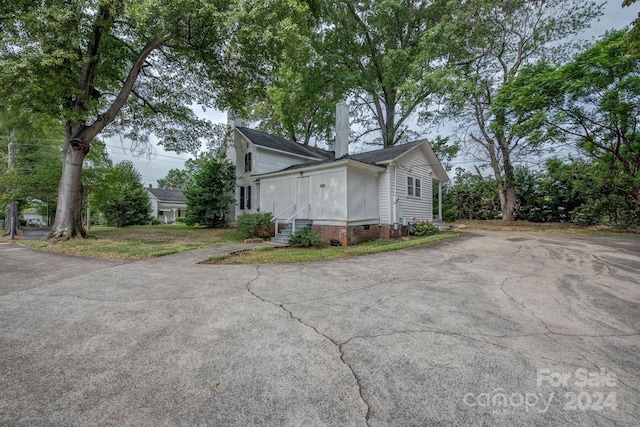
(140, 242)
(274, 255)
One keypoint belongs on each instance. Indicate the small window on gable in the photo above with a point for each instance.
(414, 187)
(248, 162)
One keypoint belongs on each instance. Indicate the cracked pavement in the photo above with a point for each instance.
(493, 328)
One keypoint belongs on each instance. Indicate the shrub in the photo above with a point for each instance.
(155, 221)
(121, 197)
(255, 225)
(208, 196)
(180, 220)
(305, 237)
(425, 228)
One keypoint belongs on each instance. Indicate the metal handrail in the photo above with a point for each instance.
(293, 224)
(275, 218)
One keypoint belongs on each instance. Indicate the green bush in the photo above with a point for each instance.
(155, 221)
(305, 237)
(255, 225)
(180, 220)
(425, 228)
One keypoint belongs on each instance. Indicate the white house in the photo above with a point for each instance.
(347, 198)
(167, 205)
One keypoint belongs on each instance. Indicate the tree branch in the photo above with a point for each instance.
(108, 116)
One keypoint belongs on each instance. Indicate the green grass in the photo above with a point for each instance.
(139, 242)
(260, 255)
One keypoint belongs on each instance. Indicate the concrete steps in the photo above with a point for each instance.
(283, 236)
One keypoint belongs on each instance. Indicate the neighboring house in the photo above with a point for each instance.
(167, 205)
(33, 218)
(347, 198)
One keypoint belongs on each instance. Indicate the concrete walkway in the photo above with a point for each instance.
(493, 328)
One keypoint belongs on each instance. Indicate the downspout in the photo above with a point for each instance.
(440, 200)
(395, 196)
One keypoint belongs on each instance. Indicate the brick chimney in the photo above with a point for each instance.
(341, 145)
(173, 186)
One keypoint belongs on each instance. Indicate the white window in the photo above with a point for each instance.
(414, 187)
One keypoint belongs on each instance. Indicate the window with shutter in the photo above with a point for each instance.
(248, 162)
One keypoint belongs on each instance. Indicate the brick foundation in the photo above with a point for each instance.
(354, 234)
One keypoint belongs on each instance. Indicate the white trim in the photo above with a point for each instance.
(329, 165)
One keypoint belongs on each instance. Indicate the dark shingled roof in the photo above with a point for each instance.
(168, 196)
(384, 154)
(370, 157)
(275, 142)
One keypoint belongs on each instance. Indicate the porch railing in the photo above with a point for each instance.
(292, 220)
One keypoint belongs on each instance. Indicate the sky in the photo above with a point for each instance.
(156, 165)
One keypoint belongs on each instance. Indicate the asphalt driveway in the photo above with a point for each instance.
(493, 328)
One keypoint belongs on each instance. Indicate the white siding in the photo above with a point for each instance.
(277, 195)
(324, 191)
(363, 196)
(267, 161)
(328, 194)
(414, 164)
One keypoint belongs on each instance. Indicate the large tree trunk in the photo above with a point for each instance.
(505, 179)
(508, 202)
(508, 190)
(68, 223)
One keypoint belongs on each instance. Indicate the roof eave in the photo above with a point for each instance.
(314, 167)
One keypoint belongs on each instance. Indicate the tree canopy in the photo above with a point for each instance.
(592, 101)
(134, 67)
(502, 37)
(388, 58)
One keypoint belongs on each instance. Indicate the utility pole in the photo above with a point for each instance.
(12, 205)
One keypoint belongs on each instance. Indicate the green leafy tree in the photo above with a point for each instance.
(183, 178)
(36, 158)
(208, 198)
(633, 37)
(592, 101)
(301, 103)
(502, 37)
(133, 67)
(121, 197)
(178, 177)
(389, 58)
